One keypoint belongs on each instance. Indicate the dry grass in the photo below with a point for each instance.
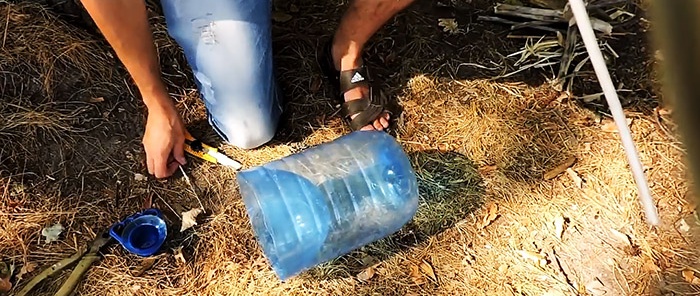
(473, 143)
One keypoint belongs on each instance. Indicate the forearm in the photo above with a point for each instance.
(124, 24)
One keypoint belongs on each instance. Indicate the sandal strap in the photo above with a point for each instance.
(355, 106)
(367, 116)
(350, 79)
(365, 110)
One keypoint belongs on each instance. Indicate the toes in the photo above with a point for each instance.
(384, 122)
(367, 128)
(378, 125)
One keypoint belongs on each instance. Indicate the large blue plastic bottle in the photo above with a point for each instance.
(322, 203)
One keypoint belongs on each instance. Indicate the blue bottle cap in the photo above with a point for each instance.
(142, 233)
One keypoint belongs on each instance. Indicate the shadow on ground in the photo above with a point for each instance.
(450, 188)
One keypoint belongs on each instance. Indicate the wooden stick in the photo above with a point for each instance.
(496, 19)
(534, 26)
(567, 57)
(530, 13)
(541, 17)
(529, 25)
(605, 3)
(518, 25)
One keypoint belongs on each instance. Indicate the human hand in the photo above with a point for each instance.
(164, 139)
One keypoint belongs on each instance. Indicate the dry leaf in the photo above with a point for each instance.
(211, 274)
(650, 266)
(620, 13)
(689, 276)
(560, 39)
(592, 97)
(281, 17)
(611, 127)
(417, 276)
(97, 100)
(366, 274)
(537, 258)
(491, 215)
(564, 95)
(293, 8)
(428, 270)
(664, 111)
(146, 264)
(437, 103)
(595, 287)
(5, 285)
(189, 218)
(621, 236)
(684, 227)
(410, 104)
(559, 226)
(449, 25)
(560, 168)
(177, 252)
(575, 177)
(487, 169)
(26, 268)
(147, 202)
(139, 177)
(369, 260)
(52, 233)
(5, 275)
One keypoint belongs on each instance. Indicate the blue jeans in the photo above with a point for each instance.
(228, 45)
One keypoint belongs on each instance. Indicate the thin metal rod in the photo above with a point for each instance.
(585, 28)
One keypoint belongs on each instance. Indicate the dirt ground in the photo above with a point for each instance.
(488, 223)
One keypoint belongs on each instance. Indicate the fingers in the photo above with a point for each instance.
(179, 152)
(161, 168)
(172, 167)
(149, 164)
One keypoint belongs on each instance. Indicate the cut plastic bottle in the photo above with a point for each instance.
(322, 203)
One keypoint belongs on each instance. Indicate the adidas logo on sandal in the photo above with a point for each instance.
(357, 78)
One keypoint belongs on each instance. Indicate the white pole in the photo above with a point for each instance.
(601, 70)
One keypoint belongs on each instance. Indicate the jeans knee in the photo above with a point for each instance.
(229, 48)
(237, 134)
(246, 126)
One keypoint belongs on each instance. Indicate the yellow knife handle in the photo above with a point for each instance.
(199, 149)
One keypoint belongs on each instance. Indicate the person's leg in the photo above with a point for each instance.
(228, 46)
(362, 19)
